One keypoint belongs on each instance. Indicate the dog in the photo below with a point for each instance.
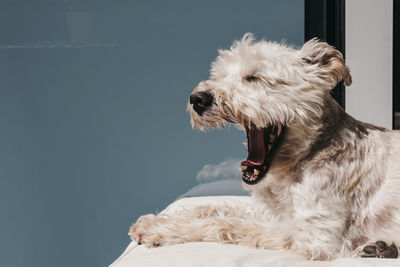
(324, 185)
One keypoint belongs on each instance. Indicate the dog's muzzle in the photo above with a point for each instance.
(201, 101)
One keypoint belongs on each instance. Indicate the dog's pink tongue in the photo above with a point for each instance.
(256, 148)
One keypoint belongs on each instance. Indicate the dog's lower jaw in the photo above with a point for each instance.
(262, 146)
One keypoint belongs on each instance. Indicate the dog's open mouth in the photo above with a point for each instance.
(261, 144)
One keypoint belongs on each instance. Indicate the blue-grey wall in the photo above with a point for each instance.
(94, 129)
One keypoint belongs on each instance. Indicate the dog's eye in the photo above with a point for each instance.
(250, 78)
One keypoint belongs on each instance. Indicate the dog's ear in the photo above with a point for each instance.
(329, 60)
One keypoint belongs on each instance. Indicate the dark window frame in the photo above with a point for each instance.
(396, 64)
(325, 19)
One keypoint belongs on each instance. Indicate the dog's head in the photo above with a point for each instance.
(264, 87)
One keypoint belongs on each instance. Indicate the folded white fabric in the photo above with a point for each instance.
(199, 254)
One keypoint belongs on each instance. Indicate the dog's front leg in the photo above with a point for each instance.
(154, 231)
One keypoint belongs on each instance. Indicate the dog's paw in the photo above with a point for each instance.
(379, 249)
(144, 231)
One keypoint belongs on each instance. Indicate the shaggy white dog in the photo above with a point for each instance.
(324, 184)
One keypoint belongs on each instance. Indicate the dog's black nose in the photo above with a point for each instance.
(201, 101)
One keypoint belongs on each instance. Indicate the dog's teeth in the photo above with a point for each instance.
(256, 172)
(242, 170)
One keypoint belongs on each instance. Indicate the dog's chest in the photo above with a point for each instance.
(276, 195)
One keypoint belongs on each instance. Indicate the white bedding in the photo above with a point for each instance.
(210, 254)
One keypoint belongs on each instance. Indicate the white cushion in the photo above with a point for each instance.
(200, 254)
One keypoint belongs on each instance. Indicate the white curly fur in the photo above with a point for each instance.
(289, 90)
(333, 184)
